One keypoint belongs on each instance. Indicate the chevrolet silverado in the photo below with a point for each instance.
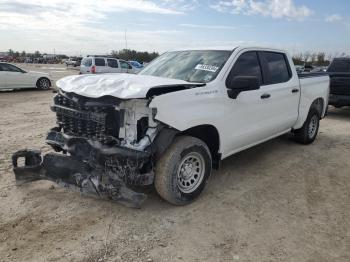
(172, 123)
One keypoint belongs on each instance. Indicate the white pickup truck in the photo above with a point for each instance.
(174, 121)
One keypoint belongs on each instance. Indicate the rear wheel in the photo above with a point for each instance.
(307, 134)
(43, 83)
(182, 171)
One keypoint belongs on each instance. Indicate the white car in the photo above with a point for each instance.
(173, 122)
(102, 65)
(13, 77)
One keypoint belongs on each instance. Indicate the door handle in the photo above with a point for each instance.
(295, 90)
(265, 96)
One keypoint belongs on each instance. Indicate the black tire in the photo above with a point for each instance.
(308, 132)
(43, 83)
(169, 183)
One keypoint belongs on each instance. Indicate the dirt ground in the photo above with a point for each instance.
(279, 201)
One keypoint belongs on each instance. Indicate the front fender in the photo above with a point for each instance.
(189, 108)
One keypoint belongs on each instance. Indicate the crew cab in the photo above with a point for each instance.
(339, 72)
(173, 122)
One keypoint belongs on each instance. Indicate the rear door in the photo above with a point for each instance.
(113, 66)
(100, 64)
(283, 90)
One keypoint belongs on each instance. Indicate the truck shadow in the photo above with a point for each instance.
(23, 90)
(339, 113)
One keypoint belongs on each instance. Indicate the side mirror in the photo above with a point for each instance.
(242, 83)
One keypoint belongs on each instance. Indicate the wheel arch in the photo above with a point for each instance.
(210, 136)
(42, 77)
(318, 103)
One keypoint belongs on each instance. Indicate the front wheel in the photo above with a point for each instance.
(43, 83)
(308, 132)
(182, 171)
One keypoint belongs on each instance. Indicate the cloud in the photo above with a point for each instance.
(218, 27)
(70, 25)
(271, 8)
(181, 5)
(334, 18)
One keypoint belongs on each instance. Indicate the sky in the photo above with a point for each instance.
(81, 27)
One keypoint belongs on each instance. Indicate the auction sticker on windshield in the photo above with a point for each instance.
(209, 68)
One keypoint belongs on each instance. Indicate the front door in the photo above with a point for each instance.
(113, 66)
(249, 112)
(125, 67)
(15, 77)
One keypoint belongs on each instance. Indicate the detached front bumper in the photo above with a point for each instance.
(90, 169)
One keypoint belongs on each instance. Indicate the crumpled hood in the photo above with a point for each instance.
(124, 86)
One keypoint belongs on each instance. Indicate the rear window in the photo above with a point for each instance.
(275, 67)
(86, 62)
(341, 66)
(112, 63)
(100, 62)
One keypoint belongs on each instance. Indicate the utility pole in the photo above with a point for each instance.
(126, 41)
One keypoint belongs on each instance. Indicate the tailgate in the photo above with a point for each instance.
(340, 84)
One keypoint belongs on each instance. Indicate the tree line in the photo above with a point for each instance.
(301, 58)
(128, 54)
(36, 54)
(315, 58)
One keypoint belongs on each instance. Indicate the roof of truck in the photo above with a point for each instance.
(229, 48)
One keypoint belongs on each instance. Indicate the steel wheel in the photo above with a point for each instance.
(313, 125)
(190, 172)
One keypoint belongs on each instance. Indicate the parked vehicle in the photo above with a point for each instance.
(73, 62)
(102, 65)
(308, 68)
(299, 68)
(136, 66)
(174, 121)
(320, 69)
(339, 72)
(13, 77)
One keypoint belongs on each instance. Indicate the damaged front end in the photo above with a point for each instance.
(104, 146)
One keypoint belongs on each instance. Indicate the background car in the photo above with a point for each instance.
(136, 65)
(100, 65)
(13, 77)
(73, 62)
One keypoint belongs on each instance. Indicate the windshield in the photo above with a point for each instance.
(193, 66)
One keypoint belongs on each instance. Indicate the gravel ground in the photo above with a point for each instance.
(279, 201)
